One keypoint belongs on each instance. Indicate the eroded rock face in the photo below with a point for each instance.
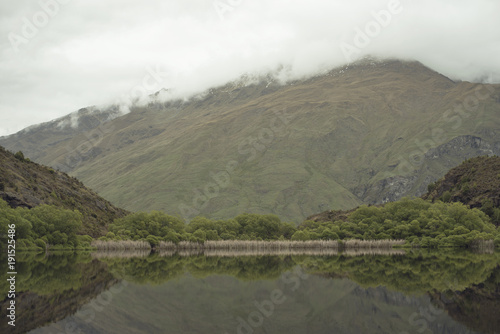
(14, 200)
(435, 163)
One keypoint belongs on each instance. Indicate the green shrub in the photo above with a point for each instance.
(40, 244)
(153, 241)
(200, 234)
(446, 197)
(19, 156)
(495, 217)
(172, 237)
(212, 235)
(25, 244)
(84, 239)
(228, 236)
(301, 236)
(465, 189)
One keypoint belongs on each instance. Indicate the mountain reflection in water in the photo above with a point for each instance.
(440, 292)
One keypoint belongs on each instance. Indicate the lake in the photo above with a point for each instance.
(410, 291)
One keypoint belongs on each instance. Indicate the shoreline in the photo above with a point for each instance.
(288, 247)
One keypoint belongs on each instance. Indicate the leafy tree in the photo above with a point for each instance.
(446, 197)
(19, 156)
(418, 221)
(301, 236)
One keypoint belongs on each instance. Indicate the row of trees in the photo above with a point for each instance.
(157, 226)
(41, 226)
(418, 221)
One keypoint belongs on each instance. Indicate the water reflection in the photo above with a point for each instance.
(445, 292)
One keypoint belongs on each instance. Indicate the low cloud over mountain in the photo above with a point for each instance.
(58, 56)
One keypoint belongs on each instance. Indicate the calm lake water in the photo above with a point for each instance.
(419, 292)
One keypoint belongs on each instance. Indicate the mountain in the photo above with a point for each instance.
(368, 132)
(27, 184)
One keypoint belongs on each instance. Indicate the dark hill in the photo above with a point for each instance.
(475, 182)
(27, 184)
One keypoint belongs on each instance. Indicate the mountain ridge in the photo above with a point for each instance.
(332, 141)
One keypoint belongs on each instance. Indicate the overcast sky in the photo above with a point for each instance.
(57, 56)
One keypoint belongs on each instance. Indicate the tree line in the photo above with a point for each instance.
(42, 226)
(420, 222)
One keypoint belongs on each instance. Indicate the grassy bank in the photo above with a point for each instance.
(114, 245)
(248, 247)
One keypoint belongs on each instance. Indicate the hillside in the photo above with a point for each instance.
(370, 132)
(27, 184)
(475, 182)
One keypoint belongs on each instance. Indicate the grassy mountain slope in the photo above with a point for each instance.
(357, 134)
(27, 184)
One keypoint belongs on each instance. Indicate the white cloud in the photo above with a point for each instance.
(98, 52)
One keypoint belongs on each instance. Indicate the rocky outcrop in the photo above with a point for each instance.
(436, 162)
(15, 200)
